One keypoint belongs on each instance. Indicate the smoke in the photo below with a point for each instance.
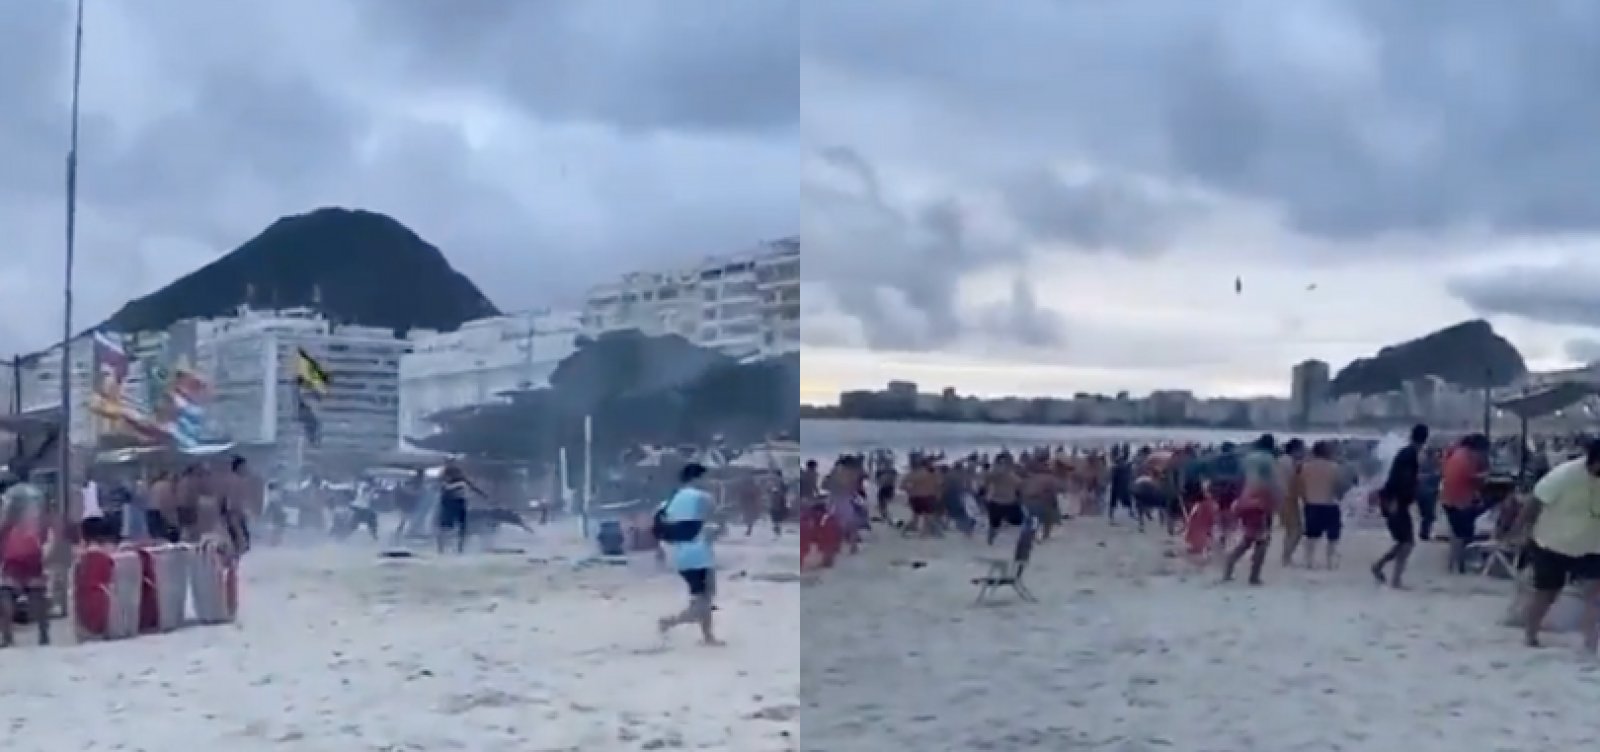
(1383, 454)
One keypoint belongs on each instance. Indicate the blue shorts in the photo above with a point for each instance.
(1324, 521)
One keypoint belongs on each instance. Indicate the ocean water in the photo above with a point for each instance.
(824, 439)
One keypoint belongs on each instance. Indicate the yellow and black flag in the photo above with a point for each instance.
(310, 374)
(311, 377)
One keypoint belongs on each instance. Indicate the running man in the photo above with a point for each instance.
(453, 505)
(1291, 513)
(1263, 489)
(684, 531)
(1324, 519)
(1564, 518)
(1398, 495)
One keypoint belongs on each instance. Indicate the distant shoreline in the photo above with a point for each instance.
(1280, 430)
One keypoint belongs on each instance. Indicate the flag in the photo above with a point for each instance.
(310, 374)
(309, 422)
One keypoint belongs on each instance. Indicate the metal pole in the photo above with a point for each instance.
(1488, 419)
(566, 498)
(588, 470)
(64, 469)
(16, 401)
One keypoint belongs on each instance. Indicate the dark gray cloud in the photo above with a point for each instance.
(897, 269)
(542, 146)
(696, 65)
(1099, 214)
(1346, 129)
(1562, 294)
(1356, 118)
(1021, 319)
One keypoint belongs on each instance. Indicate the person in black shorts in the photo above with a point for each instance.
(1563, 546)
(453, 505)
(1397, 496)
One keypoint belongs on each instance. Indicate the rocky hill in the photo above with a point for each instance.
(1469, 354)
(356, 267)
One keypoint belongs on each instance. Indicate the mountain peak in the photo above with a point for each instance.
(355, 266)
(1467, 354)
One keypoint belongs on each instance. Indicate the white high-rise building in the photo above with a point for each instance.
(745, 305)
(251, 361)
(778, 277)
(40, 374)
(477, 363)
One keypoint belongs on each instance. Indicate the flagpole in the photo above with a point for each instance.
(63, 476)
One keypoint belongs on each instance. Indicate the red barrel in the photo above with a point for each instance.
(91, 593)
(149, 593)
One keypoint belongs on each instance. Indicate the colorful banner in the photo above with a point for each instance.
(168, 407)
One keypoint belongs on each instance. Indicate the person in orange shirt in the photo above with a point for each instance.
(1460, 491)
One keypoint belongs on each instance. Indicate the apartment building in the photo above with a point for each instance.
(745, 304)
(250, 360)
(479, 362)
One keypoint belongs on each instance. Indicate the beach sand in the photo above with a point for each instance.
(341, 651)
(1131, 650)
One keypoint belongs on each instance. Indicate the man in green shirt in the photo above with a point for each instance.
(1564, 519)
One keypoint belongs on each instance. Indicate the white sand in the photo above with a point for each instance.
(1130, 650)
(340, 651)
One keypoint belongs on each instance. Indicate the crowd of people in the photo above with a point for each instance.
(199, 503)
(1231, 500)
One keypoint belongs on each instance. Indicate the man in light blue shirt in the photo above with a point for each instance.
(685, 519)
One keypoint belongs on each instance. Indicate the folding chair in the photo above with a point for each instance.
(1492, 557)
(1007, 573)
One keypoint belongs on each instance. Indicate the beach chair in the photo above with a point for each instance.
(1497, 556)
(1492, 558)
(1007, 573)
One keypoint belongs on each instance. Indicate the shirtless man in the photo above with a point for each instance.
(887, 478)
(1004, 500)
(751, 500)
(1290, 513)
(190, 486)
(922, 490)
(211, 519)
(1041, 491)
(844, 485)
(243, 502)
(164, 503)
(1319, 486)
(810, 483)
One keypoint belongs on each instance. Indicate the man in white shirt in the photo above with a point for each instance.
(1564, 519)
(92, 526)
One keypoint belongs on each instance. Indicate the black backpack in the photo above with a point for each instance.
(667, 531)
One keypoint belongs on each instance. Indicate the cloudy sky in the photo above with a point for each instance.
(543, 146)
(1045, 197)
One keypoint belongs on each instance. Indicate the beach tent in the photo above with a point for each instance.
(784, 458)
(1542, 402)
